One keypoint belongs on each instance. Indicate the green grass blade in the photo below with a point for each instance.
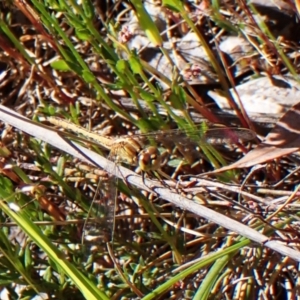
(88, 289)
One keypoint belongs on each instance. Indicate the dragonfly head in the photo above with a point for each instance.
(149, 159)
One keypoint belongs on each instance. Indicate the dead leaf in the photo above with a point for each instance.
(284, 139)
(263, 95)
(8, 172)
(51, 208)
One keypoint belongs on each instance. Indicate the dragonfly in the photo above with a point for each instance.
(142, 150)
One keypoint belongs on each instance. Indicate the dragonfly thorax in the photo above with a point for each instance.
(126, 151)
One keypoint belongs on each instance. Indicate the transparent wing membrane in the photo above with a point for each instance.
(98, 227)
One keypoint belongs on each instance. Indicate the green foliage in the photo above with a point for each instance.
(51, 259)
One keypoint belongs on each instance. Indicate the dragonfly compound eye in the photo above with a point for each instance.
(149, 159)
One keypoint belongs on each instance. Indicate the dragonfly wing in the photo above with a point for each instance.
(222, 136)
(189, 141)
(196, 135)
(99, 224)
